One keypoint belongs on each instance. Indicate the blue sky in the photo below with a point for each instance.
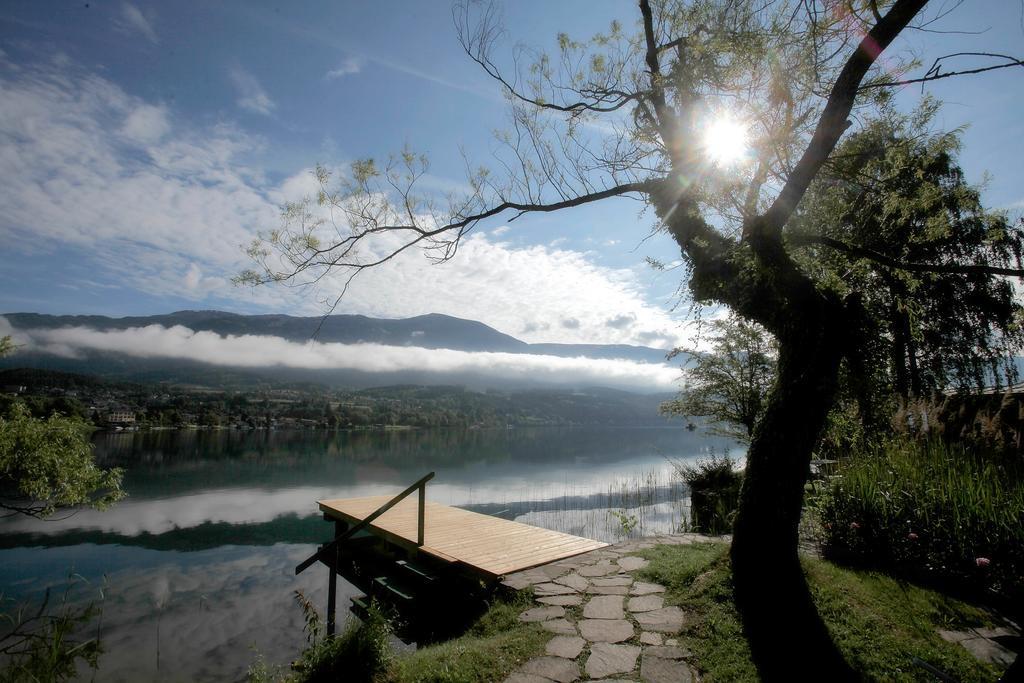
(143, 143)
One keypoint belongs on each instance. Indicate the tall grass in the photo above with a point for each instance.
(930, 508)
(644, 504)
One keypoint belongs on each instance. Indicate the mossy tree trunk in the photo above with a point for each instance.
(770, 589)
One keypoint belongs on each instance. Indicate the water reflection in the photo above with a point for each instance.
(215, 522)
(181, 616)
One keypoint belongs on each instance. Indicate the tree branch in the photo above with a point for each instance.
(666, 120)
(340, 254)
(475, 43)
(934, 74)
(882, 259)
(833, 120)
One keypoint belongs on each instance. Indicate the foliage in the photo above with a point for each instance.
(40, 644)
(930, 509)
(895, 188)
(491, 650)
(714, 492)
(496, 644)
(362, 651)
(48, 464)
(729, 383)
(627, 522)
(847, 429)
(879, 623)
(989, 423)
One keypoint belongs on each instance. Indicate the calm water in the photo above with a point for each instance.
(195, 568)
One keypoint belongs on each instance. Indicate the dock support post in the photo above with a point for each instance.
(332, 600)
(332, 582)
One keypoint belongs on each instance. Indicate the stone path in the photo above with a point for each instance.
(605, 625)
(987, 644)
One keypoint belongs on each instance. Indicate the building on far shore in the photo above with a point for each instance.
(119, 419)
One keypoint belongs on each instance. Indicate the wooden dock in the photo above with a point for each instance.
(488, 546)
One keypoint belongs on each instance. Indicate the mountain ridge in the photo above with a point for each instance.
(432, 331)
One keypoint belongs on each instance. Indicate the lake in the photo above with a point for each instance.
(195, 569)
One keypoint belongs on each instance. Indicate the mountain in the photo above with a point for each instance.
(431, 331)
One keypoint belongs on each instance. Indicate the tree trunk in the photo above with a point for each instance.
(899, 351)
(787, 637)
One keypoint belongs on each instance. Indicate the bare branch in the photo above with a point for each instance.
(935, 74)
(476, 41)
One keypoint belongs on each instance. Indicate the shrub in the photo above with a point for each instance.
(714, 493)
(363, 651)
(933, 510)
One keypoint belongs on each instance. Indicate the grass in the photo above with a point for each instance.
(495, 645)
(879, 623)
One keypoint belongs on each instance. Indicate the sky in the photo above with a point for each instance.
(143, 143)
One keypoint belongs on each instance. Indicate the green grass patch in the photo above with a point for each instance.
(489, 651)
(878, 622)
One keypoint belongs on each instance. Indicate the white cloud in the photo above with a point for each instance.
(146, 124)
(349, 66)
(259, 351)
(132, 20)
(193, 277)
(163, 207)
(251, 95)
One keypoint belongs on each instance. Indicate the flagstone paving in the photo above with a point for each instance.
(606, 626)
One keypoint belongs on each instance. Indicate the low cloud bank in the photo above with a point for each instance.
(258, 351)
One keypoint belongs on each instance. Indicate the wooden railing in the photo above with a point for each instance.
(332, 547)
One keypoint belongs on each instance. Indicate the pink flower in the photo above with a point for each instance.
(854, 525)
(982, 562)
(912, 536)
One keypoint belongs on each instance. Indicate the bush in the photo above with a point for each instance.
(495, 645)
(363, 651)
(932, 510)
(714, 493)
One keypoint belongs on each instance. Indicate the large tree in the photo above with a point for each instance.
(893, 192)
(792, 72)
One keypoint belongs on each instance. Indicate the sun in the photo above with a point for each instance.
(725, 141)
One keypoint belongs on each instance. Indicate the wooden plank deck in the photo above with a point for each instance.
(488, 545)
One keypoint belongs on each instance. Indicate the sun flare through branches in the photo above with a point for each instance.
(725, 141)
